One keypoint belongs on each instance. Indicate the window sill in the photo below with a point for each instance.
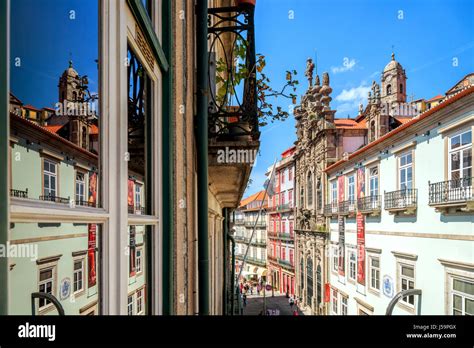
(374, 292)
(406, 307)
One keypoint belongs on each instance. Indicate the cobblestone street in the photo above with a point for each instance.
(279, 302)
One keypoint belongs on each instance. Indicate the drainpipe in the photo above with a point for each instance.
(202, 155)
(4, 148)
(167, 146)
(226, 263)
(232, 280)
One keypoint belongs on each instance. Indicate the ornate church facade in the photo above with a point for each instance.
(322, 140)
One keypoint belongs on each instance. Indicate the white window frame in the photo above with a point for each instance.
(351, 188)
(374, 178)
(138, 196)
(376, 269)
(81, 259)
(464, 296)
(139, 260)
(334, 301)
(334, 191)
(140, 307)
(344, 304)
(404, 168)
(352, 265)
(80, 198)
(460, 151)
(131, 304)
(335, 259)
(44, 267)
(406, 263)
(50, 175)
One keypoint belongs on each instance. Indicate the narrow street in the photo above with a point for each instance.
(278, 303)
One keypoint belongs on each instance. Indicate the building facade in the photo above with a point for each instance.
(404, 218)
(280, 225)
(251, 238)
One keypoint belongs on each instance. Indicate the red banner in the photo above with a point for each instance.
(360, 249)
(132, 250)
(92, 243)
(360, 183)
(327, 293)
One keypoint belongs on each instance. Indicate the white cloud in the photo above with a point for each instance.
(351, 98)
(354, 94)
(347, 65)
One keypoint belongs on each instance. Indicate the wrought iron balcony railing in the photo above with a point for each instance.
(232, 73)
(285, 206)
(369, 204)
(331, 209)
(259, 242)
(239, 221)
(258, 224)
(19, 193)
(285, 263)
(347, 207)
(451, 191)
(256, 261)
(55, 199)
(83, 203)
(402, 199)
(286, 236)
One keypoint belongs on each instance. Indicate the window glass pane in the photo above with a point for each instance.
(51, 265)
(463, 286)
(54, 95)
(469, 306)
(455, 142)
(466, 138)
(139, 240)
(408, 271)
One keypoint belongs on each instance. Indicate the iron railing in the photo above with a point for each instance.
(286, 263)
(286, 236)
(331, 209)
(83, 203)
(19, 193)
(451, 191)
(347, 207)
(259, 242)
(285, 206)
(233, 99)
(55, 199)
(369, 203)
(239, 221)
(402, 199)
(256, 261)
(258, 224)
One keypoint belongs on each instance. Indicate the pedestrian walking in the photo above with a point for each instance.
(251, 290)
(291, 301)
(245, 300)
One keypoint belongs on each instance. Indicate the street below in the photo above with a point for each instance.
(275, 305)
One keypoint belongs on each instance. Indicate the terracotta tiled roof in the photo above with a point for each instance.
(349, 123)
(448, 101)
(439, 96)
(255, 197)
(54, 129)
(403, 120)
(31, 107)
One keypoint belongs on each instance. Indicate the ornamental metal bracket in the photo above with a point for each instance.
(232, 73)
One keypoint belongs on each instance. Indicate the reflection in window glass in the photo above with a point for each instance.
(138, 280)
(54, 101)
(60, 259)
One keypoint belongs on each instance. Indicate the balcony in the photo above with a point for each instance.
(82, 203)
(401, 202)
(286, 264)
(272, 259)
(272, 234)
(232, 111)
(331, 209)
(18, 193)
(259, 243)
(284, 207)
(55, 199)
(256, 261)
(286, 236)
(369, 205)
(452, 195)
(241, 239)
(251, 224)
(347, 207)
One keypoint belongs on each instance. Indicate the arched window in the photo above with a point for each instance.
(309, 280)
(319, 285)
(401, 88)
(301, 198)
(389, 89)
(310, 188)
(301, 274)
(372, 131)
(319, 195)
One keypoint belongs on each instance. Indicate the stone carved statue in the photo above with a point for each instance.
(309, 71)
(325, 79)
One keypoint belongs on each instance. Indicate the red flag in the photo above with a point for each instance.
(327, 293)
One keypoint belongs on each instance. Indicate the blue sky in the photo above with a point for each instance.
(45, 34)
(427, 36)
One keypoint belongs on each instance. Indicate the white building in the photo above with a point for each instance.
(403, 216)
